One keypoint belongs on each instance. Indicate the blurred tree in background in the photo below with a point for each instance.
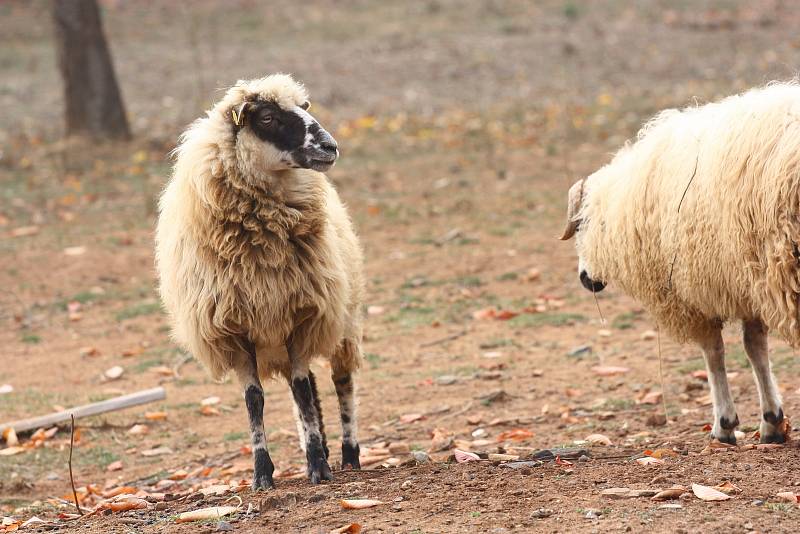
(92, 98)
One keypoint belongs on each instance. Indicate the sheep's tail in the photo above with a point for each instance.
(318, 406)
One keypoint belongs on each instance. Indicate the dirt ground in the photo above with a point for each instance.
(461, 126)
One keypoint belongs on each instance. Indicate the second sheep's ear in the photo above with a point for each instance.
(574, 201)
(305, 105)
(238, 114)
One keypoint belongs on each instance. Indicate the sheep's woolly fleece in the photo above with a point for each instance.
(246, 252)
(734, 241)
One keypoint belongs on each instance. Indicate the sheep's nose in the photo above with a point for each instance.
(329, 145)
(592, 285)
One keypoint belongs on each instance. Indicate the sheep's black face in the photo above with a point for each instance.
(299, 139)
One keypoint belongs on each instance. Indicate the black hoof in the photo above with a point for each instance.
(350, 456)
(262, 474)
(730, 440)
(318, 468)
(773, 419)
(773, 438)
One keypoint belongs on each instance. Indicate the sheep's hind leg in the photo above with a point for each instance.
(247, 372)
(755, 343)
(725, 418)
(345, 391)
(303, 390)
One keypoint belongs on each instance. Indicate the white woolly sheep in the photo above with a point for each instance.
(726, 250)
(260, 270)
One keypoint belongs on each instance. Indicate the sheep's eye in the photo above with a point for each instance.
(266, 119)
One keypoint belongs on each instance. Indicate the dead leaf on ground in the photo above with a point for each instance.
(706, 493)
(209, 410)
(24, 231)
(115, 466)
(10, 437)
(599, 439)
(411, 418)
(649, 460)
(352, 528)
(464, 456)
(203, 514)
(6, 388)
(155, 416)
(788, 496)
(139, 430)
(653, 397)
(11, 451)
(210, 401)
(158, 451)
(114, 373)
(516, 434)
(358, 504)
(671, 493)
(609, 370)
(728, 487)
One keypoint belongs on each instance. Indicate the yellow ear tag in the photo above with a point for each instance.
(236, 117)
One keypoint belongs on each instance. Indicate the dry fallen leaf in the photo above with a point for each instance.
(203, 514)
(649, 460)
(11, 451)
(654, 397)
(115, 466)
(159, 451)
(114, 373)
(788, 496)
(598, 439)
(609, 370)
(210, 401)
(209, 410)
(708, 494)
(352, 528)
(24, 231)
(358, 504)
(155, 416)
(727, 487)
(661, 453)
(464, 456)
(10, 436)
(6, 388)
(139, 430)
(75, 251)
(672, 493)
(516, 434)
(411, 418)
(163, 370)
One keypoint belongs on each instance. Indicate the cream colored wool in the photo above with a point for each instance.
(246, 252)
(735, 238)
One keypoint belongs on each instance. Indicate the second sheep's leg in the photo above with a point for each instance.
(725, 418)
(755, 343)
(246, 368)
(304, 392)
(345, 391)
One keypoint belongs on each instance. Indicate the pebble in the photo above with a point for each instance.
(591, 513)
(541, 513)
(161, 506)
(580, 350)
(224, 526)
(421, 457)
(757, 502)
(446, 380)
(406, 485)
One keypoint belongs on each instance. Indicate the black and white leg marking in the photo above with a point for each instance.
(247, 372)
(345, 391)
(725, 418)
(755, 344)
(303, 393)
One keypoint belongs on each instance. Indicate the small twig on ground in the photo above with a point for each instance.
(445, 339)
(454, 414)
(71, 478)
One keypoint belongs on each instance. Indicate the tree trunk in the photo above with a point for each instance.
(92, 99)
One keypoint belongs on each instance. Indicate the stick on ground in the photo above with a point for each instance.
(95, 408)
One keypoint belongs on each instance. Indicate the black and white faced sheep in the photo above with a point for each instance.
(727, 250)
(260, 269)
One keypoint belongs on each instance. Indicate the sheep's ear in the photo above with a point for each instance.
(575, 198)
(305, 105)
(238, 114)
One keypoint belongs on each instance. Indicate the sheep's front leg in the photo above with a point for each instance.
(304, 393)
(755, 343)
(725, 418)
(345, 391)
(247, 372)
